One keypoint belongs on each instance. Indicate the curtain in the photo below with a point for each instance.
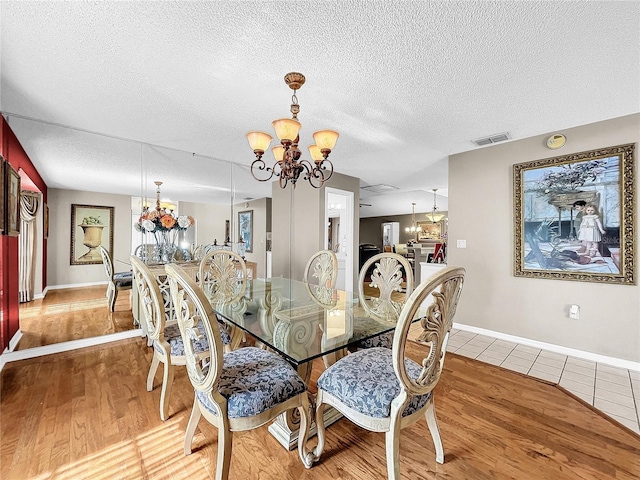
(29, 204)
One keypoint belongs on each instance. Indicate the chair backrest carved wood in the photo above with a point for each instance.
(441, 292)
(390, 271)
(222, 276)
(150, 299)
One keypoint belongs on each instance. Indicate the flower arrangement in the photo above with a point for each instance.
(153, 221)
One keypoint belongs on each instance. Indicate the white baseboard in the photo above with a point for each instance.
(594, 357)
(75, 285)
(8, 356)
(13, 343)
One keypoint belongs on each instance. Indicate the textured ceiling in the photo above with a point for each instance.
(406, 83)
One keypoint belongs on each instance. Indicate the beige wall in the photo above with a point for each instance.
(299, 224)
(481, 212)
(59, 270)
(210, 220)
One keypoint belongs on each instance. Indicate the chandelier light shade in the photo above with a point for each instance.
(288, 166)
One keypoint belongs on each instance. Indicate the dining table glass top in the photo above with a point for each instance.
(302, 322)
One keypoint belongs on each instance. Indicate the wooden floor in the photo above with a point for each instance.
(72, 314)
(86, 414)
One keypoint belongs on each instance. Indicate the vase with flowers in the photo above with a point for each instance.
(165, 226)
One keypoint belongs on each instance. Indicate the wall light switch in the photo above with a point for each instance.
(461, 243)
(574, 312)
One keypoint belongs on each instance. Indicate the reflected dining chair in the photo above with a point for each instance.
(234, 391)
(116, 281)
(163, 336)
(222, 276)
(382, 390)
(390, 271)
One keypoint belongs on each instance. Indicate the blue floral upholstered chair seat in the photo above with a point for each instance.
(380, 389)
(387, 276)
(168, 347)
(115, 281)
(236, 390)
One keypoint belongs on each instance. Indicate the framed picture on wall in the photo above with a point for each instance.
(12, 205)
(245, 229)
(91, 226)
(45, 221)
(575, 216)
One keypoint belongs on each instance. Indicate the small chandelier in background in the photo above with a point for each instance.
(435, 216)
(414, 228)
(288, 166)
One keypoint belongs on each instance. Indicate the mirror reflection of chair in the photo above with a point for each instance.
(390, 272)
(182, 255)
(164, 336)
(116, 281)
(223, 278)
(238, 390)
(381, 390)
(144, 251)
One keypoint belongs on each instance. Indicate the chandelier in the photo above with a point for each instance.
(414, 228)
(288, 167)
(435, 216)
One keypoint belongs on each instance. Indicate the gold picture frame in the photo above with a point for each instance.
(575, 216)
(12, 206)
(91, 226)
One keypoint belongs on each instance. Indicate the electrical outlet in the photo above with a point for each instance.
(461, 243)
(574, 312)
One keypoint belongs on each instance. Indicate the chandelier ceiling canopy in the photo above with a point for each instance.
(288, 167)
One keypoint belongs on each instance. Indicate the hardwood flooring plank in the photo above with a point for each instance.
(86, 414)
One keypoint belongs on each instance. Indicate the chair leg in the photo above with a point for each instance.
(432, 421)
(317, 452)
(392, 443)
(165, 393)
(303, 434)
(225, 437)
(152, 372)
(191, 426)
(111, 297)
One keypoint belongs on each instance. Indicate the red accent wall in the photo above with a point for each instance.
(13, 152)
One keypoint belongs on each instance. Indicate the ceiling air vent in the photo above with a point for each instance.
(380, 188)
(498, 137)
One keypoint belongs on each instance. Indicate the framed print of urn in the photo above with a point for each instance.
(91, 226)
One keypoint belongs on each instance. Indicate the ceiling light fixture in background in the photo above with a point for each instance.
(435, 216)
(414, 228)
(288, 166)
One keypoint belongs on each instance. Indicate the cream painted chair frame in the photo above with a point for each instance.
(387, 278)
(323, 266)
(113, 287)
(223, 278)
(443, 289)
(152, 306)
(193, 304)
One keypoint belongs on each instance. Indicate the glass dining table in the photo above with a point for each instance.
(302, 322)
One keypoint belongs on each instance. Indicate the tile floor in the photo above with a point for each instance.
(614, 391)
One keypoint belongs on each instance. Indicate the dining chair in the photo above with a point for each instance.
(234, 391)
(163, 336)
(145, 251)
(222, 276)
(390, 272)
(382, 390)
(116, 281)
(321, 275)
